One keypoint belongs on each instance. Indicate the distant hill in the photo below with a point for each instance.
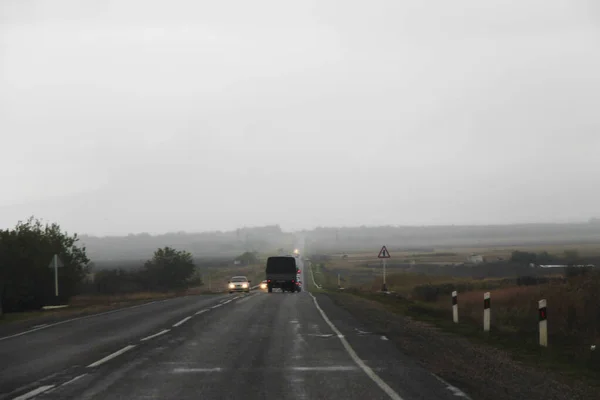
(136, 247)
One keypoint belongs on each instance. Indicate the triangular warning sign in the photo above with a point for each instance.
(56, 259)
(384, 253)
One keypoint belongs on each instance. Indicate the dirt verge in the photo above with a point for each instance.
(482, 371)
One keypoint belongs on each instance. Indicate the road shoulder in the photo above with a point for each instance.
(481, 371)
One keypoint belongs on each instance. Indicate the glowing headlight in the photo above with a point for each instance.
(231, 286)
(263, 285)
(244, 285)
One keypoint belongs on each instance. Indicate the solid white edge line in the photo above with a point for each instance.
(457, 392)
(183, 321)
(111, 356)
(218, 305)
(79, 318)
(202, 312)
(34, 392)
(74, 379)
(155, 335)
(366, 369)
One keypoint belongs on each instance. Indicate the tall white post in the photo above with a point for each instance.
(486, 312)
(55, 275)
(384, 287)
(543, 323)
(455, 307)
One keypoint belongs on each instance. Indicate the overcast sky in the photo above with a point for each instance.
(151, 116)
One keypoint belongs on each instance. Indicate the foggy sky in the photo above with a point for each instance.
(151, 116)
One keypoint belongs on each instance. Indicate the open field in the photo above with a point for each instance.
(459, 254)
(573, 300)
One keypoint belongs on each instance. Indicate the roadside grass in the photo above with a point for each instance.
(96, 303)
(91, 304)
(568, 360)
(573, 315)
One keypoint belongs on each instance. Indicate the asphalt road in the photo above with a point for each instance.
(256, 346)
(239, 346)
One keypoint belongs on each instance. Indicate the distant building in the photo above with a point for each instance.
(475, 259)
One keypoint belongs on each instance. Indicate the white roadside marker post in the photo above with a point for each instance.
(543, 323)
(455, 307)
(486, 312)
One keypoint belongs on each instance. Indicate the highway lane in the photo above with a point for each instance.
(38, 356)
(261, 346)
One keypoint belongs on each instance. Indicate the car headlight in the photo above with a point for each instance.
(263, 285)
(244, 285)
(231, 286)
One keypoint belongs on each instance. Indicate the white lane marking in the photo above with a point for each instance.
(456, 391)
(111, 356)
(217, 306)
(188, 370)
(384, 338)
(80, 318)
(155, 335)
(74, 379)
(367, 370)
(228, 301)
(202, 312)
(34, 392)
(326, 369)
(183, 321)
(326, 335)
(246, 298)
(39, 326)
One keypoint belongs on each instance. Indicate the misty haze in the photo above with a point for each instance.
(302, 200)
(128, 116)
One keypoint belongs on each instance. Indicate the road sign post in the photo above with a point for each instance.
(56, 275)
(384, 254)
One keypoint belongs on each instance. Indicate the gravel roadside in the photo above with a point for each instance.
(482, 371)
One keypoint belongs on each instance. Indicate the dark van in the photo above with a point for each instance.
(281, 273)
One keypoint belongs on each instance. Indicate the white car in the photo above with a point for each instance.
(239, 284)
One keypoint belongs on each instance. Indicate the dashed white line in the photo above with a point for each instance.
(326, 369)
(228, 301)
(189, 370)
(111, 356)
(155, 335)
(384, 338)
(74, 379)
(217, 306)
(183, 321)
(34, 392)
(367, 370)
(202, 312)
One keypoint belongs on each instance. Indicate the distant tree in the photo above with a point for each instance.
(169, 269)
(545, 258)
(26, 279)
(249, 257)
(572, 257)
(523, 257)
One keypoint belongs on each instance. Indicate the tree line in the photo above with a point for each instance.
(27, 276)
(169, 269)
